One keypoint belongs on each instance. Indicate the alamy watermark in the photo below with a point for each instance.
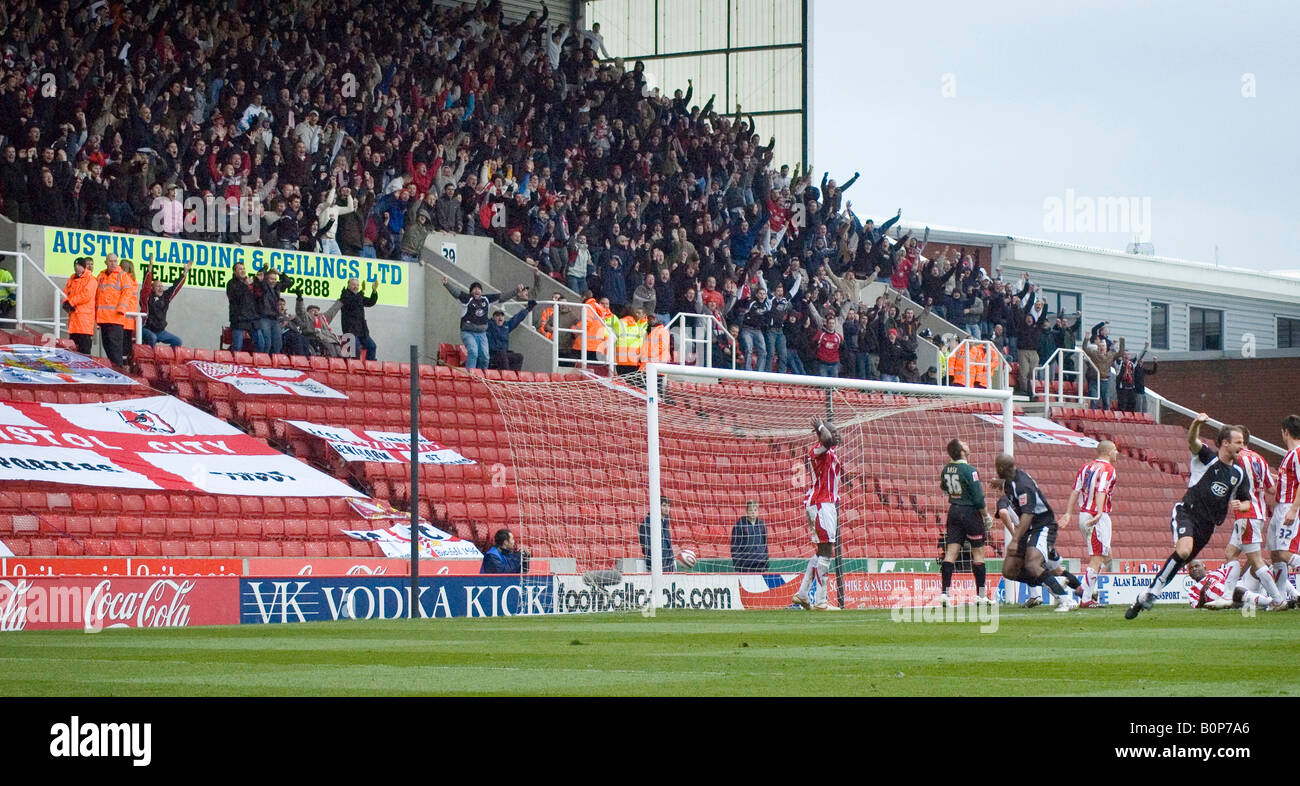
(78, 738)
(906, 606)
(1076, 213)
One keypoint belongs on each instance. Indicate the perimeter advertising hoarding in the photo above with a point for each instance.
(314, 599)
(97, 602)
(121, 566)
(314, 275)
(366, 566)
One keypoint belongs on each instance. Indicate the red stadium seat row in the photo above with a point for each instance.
(178, 527)
(147, 547)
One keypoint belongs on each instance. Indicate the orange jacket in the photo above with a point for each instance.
(80, 291)
(542, 326)
(981, 361)
(596, 331)
(130, 302)
(657, 347)
(957, 367)
(109, 295)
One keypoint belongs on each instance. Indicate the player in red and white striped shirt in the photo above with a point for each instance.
(1211, 588)
(1283, 532)
(1093, 487)
(819, 506)
(1248, 526)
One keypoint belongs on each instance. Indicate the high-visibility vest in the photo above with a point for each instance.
(631, 335)
(979, 366)
(657, 347)
(130, 301)
(80, 291)
(595, 317)
(108, 297)
(957, 367)
(546, 316)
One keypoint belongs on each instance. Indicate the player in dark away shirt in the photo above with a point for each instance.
(1204, 506)
(1035, 533)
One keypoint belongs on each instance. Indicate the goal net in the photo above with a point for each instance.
(592, 457)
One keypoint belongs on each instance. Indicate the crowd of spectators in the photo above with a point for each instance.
(358, 128)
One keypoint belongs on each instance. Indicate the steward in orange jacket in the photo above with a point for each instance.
(111, 295)
(597, 316)
(80, 304)
(657, 347)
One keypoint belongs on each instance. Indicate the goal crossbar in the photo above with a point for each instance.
(653, 372)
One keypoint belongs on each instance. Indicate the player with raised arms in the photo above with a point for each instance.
(1093, 486)
(1217, 482)
(1249, 525)
(820, 508)
(968, 518)
(1283, 533)
(1035, 533)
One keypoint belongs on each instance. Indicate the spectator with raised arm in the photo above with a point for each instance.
(267, 292)
(498, 334)
(242, 302)
(474, 320)
(353, 304)
(158, 298)
(315, 326)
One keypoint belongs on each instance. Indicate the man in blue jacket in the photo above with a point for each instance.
(749, 542)
(505, 556)
(498, 335)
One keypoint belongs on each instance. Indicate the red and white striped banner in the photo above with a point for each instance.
(385, 447)
(158, 443)
(266, 381)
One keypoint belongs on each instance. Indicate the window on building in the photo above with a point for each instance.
(1288, 333)
(1062, 302)
(1204, 329)
(1159, 325)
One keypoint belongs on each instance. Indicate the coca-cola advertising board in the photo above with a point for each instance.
(94, 603)
(121, 566)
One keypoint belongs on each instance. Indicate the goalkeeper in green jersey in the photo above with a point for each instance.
(968, 518)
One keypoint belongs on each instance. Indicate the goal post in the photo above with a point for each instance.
(656, 373)
(590, 457)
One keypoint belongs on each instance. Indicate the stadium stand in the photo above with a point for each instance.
(567, 148)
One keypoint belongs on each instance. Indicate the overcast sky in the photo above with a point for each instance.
(975, 114)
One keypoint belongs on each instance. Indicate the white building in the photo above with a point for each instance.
(1187, 310)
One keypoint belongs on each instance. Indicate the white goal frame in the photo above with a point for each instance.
(654, 370)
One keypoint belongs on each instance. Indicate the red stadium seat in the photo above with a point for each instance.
(67, 547)
(223, 548)
(80, 526)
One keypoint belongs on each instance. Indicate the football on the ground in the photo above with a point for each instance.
(687, 558)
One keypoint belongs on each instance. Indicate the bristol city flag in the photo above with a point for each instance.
(265, 381)
(26, 364)
(158, 443)
(386, 447)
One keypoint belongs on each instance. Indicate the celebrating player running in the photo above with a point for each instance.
(1203, 507)
(1092, 492)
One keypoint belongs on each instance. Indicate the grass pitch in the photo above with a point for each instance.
(1170, 651)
